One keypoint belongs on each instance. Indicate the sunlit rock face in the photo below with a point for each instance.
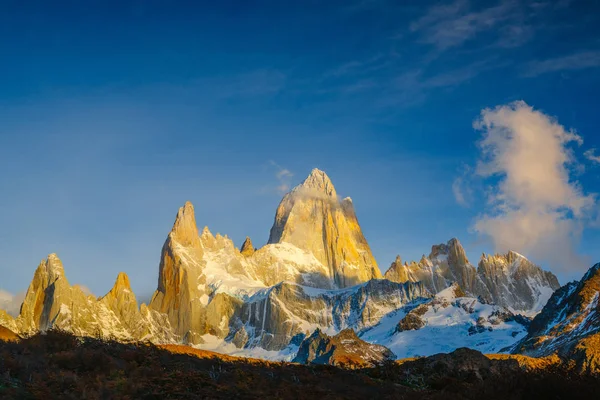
(181, 285)
(247, 248)
(569, 324)
(514, 281)
(7, 321)
(48, 298)
(285, 313)
(445, 265)
(344, 349)
(506, 280)
(312, 218)
(316, 272)
(52, 303)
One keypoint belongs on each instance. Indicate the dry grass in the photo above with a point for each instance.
(60, 366)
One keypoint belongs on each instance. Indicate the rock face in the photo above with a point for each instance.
(513, 281)
(287, 312)
(569, 324)
(7, 335)
(247, 247)
(7, 321)
(446, 264)
(448, 321)
(316, 272)
(312, 218)
(507, 280)
(51, 302)
(344, 349)
(181, 292)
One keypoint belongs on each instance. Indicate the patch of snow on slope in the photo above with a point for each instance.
(446, 329)
(287, 252)
(213, 343)
(221, 281)
(287, 262)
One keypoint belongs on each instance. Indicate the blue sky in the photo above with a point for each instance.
(113, 114)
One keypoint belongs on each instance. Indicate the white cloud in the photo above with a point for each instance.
(462, 191)
(592, 156)
(86, 290)
(457, 190)
(284, 177)
(413, 87)
(534, 206)
(571, 62)
(11, 303)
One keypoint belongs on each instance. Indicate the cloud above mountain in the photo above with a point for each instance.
(11, 303)
(533, 203)
(283, 176)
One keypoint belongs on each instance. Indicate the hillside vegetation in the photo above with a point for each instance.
(59, 365)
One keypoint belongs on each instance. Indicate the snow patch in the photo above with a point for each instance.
(446, 329)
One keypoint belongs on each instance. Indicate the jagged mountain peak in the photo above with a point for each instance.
(513, 256)
(318, 182)
(121, 299)
(185, 230)
(247, 248)
(50, 269)
(345, 348)
(510, 257)
(592, 273)
(508, 280)
(589, 287)
(312, 218)
(453, 249)
(570, 319)
(122, 282)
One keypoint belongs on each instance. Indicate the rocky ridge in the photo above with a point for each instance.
(344, 349)
(569, 324)
(312, 218)
(507, 280)
(316, 272)
(448, 321)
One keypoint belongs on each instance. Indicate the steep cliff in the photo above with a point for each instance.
(312, 218)
(569, 323)
(506, 280)
(344, 349)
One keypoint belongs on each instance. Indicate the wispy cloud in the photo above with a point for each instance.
(515, 35)
(461, 188)
(259, 82)
(576, 61)
(11, 303)
(413, 87)
(459, 194)
(451, 25)
(535, 206)
(361, 67)
(283, 176)
(592, 156)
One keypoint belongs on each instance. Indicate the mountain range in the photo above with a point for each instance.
(316, 284)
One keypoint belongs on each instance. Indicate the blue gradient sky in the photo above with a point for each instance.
(113, 114)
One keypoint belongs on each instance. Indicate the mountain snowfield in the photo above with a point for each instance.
(316, 272)
(449, 322)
